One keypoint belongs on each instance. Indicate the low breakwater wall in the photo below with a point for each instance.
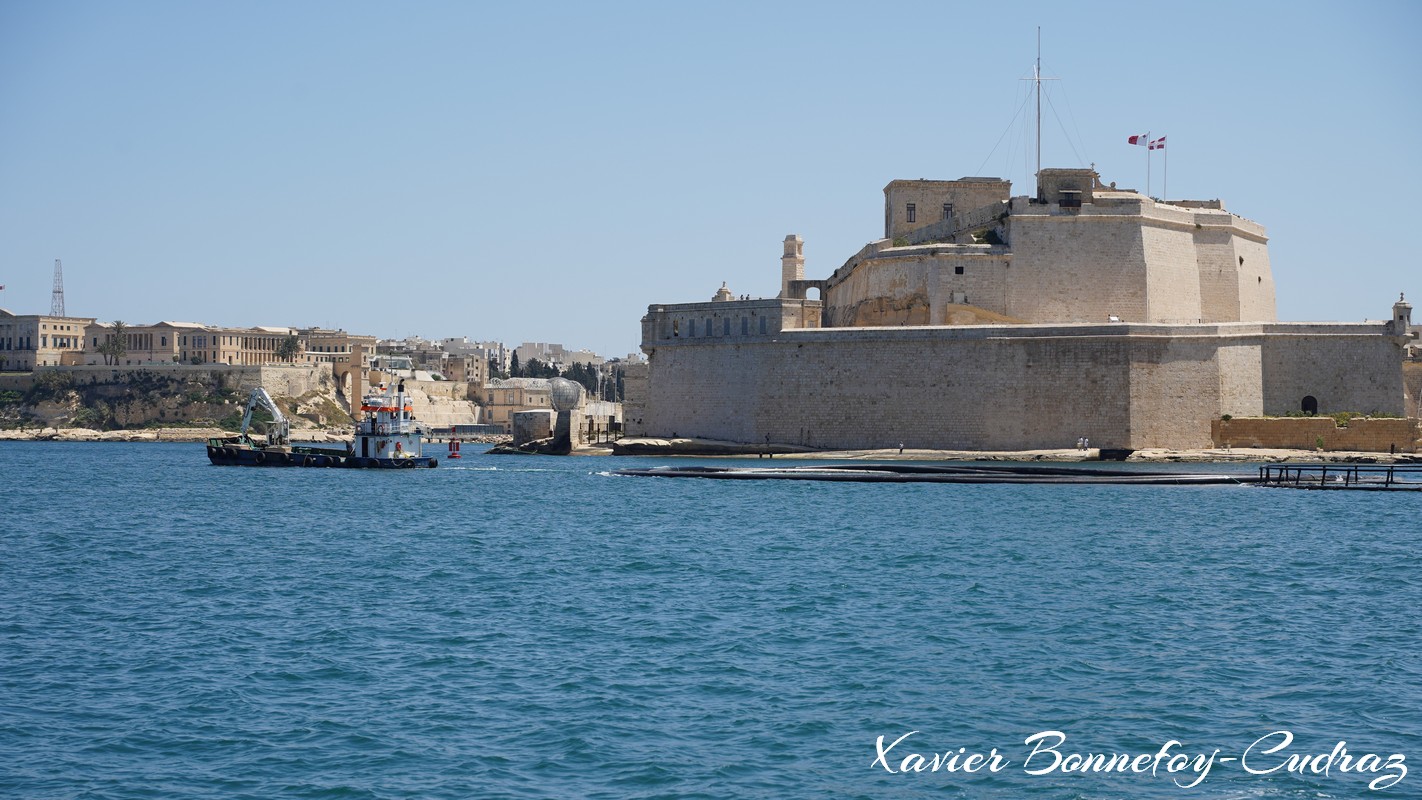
(1369, 435)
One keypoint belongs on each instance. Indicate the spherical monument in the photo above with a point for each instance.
(566, 394)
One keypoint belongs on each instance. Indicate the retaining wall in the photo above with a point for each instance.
(1015, 387)
(1369, 435)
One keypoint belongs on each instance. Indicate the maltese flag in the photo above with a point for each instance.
(1158, 144)
(1141, 140)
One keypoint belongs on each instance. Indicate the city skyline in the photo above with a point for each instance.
(450, 169)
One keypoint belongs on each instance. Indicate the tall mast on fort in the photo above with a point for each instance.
(1037, 79)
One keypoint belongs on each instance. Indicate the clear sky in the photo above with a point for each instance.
(543, 172)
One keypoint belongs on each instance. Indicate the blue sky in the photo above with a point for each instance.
(545, 171)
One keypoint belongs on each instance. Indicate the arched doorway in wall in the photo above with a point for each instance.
(1309, 405)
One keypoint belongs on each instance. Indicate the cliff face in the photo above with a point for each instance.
(106, 398)
(440, 404)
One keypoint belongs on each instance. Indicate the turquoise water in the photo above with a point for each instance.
(532, 627)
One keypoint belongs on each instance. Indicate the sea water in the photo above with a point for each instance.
(535, 627)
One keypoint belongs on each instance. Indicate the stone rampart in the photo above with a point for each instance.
(1373, 435)
(914, 285)
(997, 387)
(759, 317)
(1339, 366)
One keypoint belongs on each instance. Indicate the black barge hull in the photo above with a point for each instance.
(229, 456)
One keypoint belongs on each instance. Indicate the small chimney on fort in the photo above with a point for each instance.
(792, 264)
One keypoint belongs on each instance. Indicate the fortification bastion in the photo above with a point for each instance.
(991, 322)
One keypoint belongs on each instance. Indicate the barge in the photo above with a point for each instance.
(386, 437)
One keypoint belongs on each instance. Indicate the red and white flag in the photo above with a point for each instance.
(1141, 140)
(1158, 144)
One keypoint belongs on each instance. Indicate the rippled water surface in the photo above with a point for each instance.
(532, 627)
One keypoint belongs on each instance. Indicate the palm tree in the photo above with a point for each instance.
(114, 346)
(288, 349)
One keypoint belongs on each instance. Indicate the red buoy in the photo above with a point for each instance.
(454, 448)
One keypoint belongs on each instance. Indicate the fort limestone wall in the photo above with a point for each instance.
(1121, 255)
(999, 387)
(1142, 261)
(914, 285)
(1342, 366)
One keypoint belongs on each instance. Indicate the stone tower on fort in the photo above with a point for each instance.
(1090, 254)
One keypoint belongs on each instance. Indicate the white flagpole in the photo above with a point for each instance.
(1166, 191)
(1147, 163)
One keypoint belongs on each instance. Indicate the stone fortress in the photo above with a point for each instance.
(991, 322)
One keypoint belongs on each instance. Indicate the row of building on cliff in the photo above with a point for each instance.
(28, 341)
(986, 321)
(453, 379)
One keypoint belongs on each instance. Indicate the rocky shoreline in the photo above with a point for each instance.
(702, 448)
(199, 435)
(147, 435)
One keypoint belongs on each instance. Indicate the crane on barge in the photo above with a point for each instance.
(279, 431)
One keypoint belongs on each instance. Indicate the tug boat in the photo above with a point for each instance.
(388, 435)
(385, 438)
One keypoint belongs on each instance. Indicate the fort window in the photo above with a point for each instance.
(1309, 405)
(709, 331)
(912, 212)
(745, 325)
(692, 331)
(947, 210)
(957, 270)
(762, 324)
(1070, 198)
(676, 327)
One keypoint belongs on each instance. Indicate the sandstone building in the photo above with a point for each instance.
(40, 340)
(505, 397)
(987, 321)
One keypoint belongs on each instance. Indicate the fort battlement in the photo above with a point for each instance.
(728, 318)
